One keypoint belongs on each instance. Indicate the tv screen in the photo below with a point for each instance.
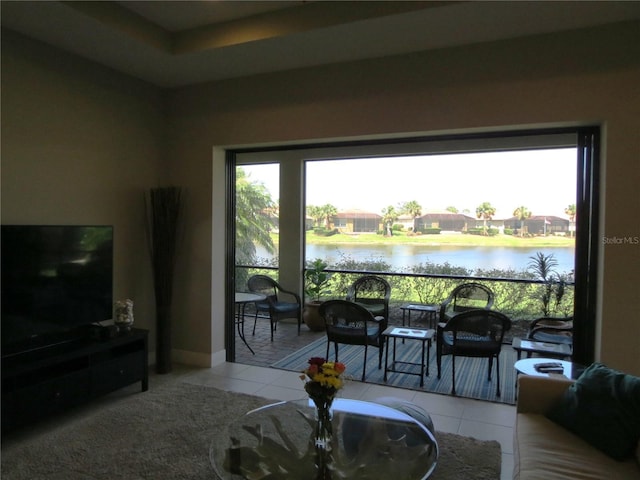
(55, 279)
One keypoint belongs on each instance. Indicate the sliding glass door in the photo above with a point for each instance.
(398, 196)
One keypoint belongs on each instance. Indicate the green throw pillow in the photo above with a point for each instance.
(602, 407)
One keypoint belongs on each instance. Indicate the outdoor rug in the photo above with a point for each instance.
(471, 373)
(166, 434)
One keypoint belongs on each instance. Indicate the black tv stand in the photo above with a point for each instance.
(42, 382)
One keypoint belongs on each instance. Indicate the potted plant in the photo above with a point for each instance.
(316, 279)
(554, 285)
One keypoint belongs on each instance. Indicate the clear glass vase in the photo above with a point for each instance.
(323, 437)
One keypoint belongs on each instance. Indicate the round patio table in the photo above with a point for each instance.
(527, 366)
(241, 300)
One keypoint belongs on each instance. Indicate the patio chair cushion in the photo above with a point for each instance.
(470, 342)
(603, 408)
(345, 333)
(375, 308)
(283, 307)
(553, 338)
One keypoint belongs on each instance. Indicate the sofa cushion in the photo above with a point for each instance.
(602, 407)
(545, 450)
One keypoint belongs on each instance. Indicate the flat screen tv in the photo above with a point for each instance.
(56, 281)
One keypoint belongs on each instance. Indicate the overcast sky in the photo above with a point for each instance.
(544, 181)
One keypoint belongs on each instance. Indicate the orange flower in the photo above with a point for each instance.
(339, 367)
(323, 376)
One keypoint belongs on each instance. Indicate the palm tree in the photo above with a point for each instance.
(328, 212)
(254, 218)
(316, 214)
(521, 213)
(486, 212)
(571, 211)
(412, 208)
(389, 215)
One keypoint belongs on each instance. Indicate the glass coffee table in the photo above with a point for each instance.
(370, 441)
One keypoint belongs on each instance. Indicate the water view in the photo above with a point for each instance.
(402, 257)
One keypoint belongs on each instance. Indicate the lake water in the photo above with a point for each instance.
(403, 256)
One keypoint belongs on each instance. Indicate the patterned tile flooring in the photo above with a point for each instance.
(285, 341)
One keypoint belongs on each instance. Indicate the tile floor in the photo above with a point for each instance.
(482, 420)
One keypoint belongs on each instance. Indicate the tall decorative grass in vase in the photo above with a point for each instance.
(163, 209)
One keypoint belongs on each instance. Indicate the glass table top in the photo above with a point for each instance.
(370, 441)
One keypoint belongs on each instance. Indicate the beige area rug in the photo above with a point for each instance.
(166, 433)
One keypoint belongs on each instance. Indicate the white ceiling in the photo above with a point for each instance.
(175, 43)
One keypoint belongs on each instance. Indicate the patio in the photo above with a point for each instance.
(287, 342)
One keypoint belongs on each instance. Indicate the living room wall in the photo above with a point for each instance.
(80, 145)
(583, 77)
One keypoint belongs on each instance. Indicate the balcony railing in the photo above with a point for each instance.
(522, 300)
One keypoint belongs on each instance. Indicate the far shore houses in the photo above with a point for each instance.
(360, 221)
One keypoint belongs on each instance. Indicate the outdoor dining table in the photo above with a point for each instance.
(241, 301)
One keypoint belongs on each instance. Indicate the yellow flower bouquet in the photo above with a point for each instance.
(323, 378)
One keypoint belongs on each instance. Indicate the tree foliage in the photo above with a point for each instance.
(327, 212)
(389, 215)
(255, 218)
(571, 211)
(322, 214)
(486, 212)
(522, 213)
(413, 209)
(315, 212)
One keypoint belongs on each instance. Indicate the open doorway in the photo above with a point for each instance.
(517, 206)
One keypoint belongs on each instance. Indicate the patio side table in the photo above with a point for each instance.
(424, 335)
(429, 311)
(556, 350)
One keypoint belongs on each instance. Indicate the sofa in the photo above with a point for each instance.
(545, 449)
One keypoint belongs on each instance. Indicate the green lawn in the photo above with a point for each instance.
(452, 239)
